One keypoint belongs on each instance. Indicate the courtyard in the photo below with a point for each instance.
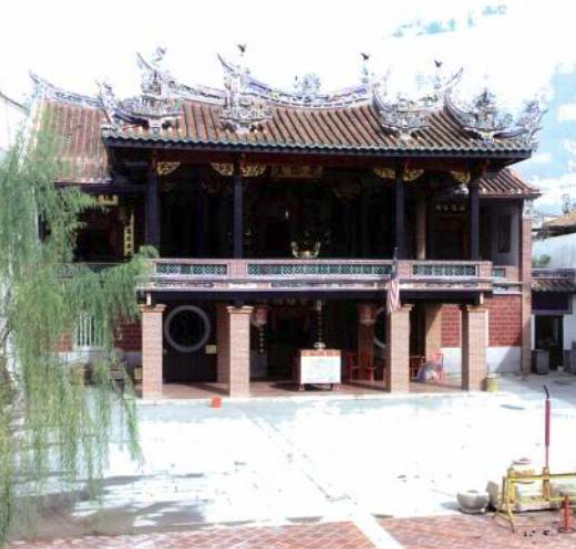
(306, 463)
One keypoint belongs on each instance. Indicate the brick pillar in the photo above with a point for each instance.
(222, 343)
(366, 321)
(239, 351)
(526, 278)
(474, 344)
(421, 228)
(398, 350)
(152, 350)
(433, 329)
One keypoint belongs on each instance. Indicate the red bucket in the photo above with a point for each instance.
(216, 402)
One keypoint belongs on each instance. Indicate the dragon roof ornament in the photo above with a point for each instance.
(483, 117)
(46, 89)
(243, 111)
(246, 102)
(406, 115)
(306, 92)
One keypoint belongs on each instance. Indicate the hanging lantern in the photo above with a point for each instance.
(259, 316)
(259, 319)
(366, 314)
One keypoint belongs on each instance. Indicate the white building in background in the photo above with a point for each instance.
(12, 116)
(554, 289)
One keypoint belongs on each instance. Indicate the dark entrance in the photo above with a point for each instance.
(550, 337)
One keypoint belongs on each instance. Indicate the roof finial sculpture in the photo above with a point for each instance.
(307, 87)
(483, 117)
(406, 115)
(108, 102)
(366, 75)
(242, 110)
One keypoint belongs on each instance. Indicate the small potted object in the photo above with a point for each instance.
(473, 502)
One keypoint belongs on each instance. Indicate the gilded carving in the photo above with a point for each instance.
(129, 235)
(166, 168)
(461, 176)
(300, 171)
(411, 175)
(107, 199)
(385, 173)
(247, 170)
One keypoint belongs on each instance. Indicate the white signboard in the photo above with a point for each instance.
(320, 369)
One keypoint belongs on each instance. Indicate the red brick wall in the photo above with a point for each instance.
(451, 326)
(129, 337)
(65, 343)
(504, 320)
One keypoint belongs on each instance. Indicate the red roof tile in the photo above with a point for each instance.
(85, 159)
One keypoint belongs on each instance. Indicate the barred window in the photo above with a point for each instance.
(87, 334)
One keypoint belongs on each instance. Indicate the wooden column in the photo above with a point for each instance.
(399, 200)
(474, 206)
(421, 227)
(433, 330)
(238, 231)
(152, 232)
(364, 235)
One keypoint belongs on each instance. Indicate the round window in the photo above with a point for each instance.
(187, 328)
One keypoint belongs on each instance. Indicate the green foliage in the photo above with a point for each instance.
(541, 261)
(53, 428)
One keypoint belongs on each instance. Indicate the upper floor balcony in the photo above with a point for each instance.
(334, 276)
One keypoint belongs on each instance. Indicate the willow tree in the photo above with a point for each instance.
(54, 428)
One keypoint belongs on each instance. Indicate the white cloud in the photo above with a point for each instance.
(68, 46)
(567, 112)
(541, 158)
(552, 191)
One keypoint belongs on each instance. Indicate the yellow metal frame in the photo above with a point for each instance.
(506, 508)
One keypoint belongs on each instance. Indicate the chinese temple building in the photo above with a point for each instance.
(277, 216)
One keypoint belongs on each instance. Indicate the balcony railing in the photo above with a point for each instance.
(324, 274)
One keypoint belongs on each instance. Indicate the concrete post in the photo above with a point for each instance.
(398, 350)
(152, 350)
(474, 344)
(239, 351)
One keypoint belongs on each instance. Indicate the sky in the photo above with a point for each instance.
(519, 48)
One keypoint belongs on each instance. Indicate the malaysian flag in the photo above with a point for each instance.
(393, 294)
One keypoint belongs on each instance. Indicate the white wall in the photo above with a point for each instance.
(561, 249)
(570, 326)
(511, 257)
(501, 360)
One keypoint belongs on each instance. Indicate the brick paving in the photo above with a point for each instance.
(475, 532)
(270, 389)
(340, 535)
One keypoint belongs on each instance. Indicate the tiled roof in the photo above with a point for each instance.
(82, 153)
(85, 159)
(506, 183)
(554, 285)
(563, 222)
(354, 129)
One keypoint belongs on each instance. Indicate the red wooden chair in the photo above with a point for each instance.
(415, 363)
(367, 366)
(438, 357)
(351, 365)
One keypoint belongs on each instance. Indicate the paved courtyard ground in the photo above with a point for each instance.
(308, 462)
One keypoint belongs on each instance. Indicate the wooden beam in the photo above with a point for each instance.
(238, 230)
(399, 202)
